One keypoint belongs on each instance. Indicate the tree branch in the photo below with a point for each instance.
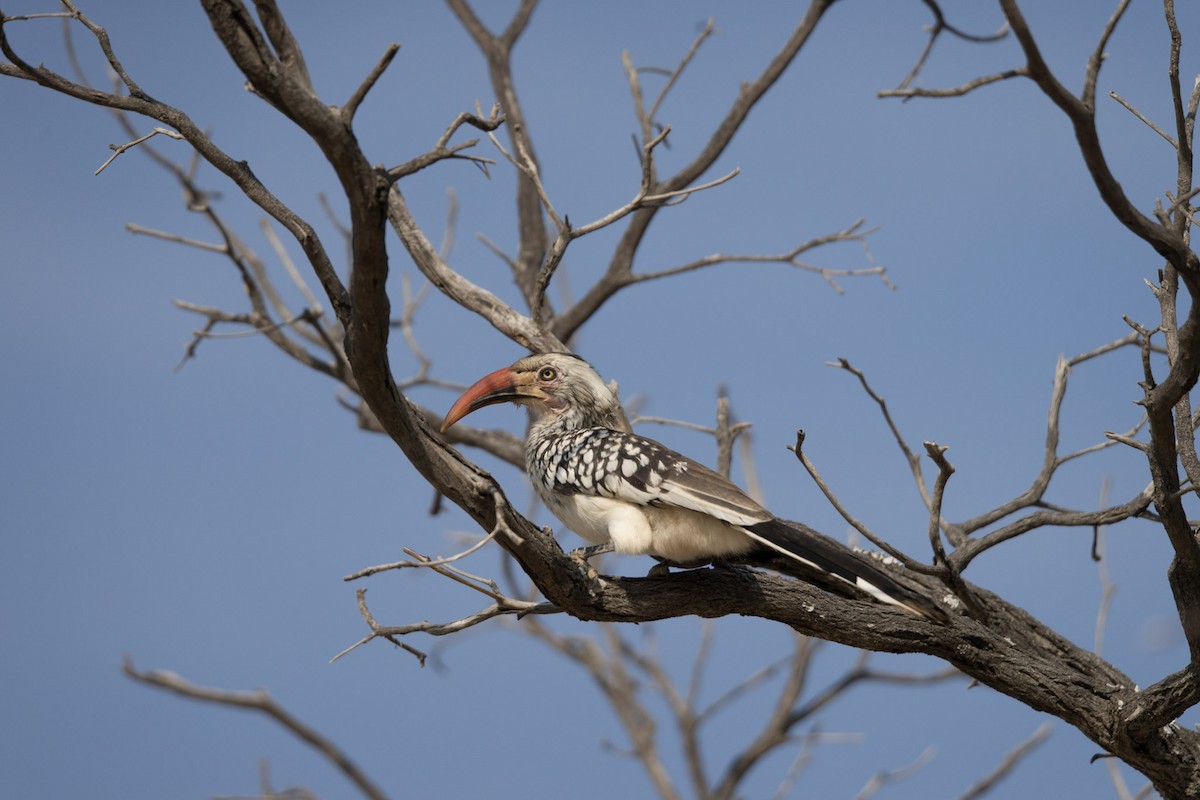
(497, 51)
(940, 26)
(263, 703)
(355, 100)
(621, 263)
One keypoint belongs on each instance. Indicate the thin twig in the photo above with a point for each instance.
(368, 571)
(1170, 139)
(814, 473)
(958, 91)
(442, 149)
(497, 251)
(106, 47)
(710, 28)
(853, 233)
(910, 457)
(47, 15)
(351, 106)
(884, 777)
(262, 702)
(411, 302)
(506, 606)
(136, 229)
(940, 26)
(118, 149)
(282, 254)
(1010, 762)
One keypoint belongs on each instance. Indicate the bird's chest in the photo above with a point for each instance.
(584, 514)
(583, 477)
(607, 486)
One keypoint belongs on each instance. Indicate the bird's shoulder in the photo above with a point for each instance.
(599, 452)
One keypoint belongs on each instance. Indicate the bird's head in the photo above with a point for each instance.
(554, 387)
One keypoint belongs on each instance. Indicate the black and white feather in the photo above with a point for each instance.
(612, 486)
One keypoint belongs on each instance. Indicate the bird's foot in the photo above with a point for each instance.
(664, 565)
(584, 553)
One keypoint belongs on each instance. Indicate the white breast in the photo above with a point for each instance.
(675, 534)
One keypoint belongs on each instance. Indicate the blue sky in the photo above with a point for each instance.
(201, 520)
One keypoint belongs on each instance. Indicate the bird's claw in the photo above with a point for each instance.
(585, 553)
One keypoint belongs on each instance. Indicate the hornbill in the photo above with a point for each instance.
(627, 493)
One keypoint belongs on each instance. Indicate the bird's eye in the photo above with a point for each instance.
(547, 374)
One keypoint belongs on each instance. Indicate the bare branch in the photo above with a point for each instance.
(283, 43)
(950, 574)
(363, 610)
(105, 47)
(645, 197)
(261, 702)
(620, 689)
(1127, 440)
(621, 264)
(360, 94)
(505, 606)
(1144, 119)
(1134, 507)
(779, 722)
(523, 160)
(791, 257)
(259, 287)
(65, 15)
(958, 91)
(725, 435)
(424, 562)
(137, 101)
(1004, 653)
(678, 195)
(940, 26)
(501, 444)
(1082, 116)
(907, 561)
(282, 254)
(442, 149)
(884, 777)
(803, 649)
(709, 28)
(495, 248)
(1010, 762)
(1107, 588)
(174, 237)
(967, 549)
(945, 470)
(119, 149)
(503, 317)
(497, 52)
(1097, 57)
(410, 303)
(911, 458)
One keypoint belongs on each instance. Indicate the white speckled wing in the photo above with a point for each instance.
(623, 466)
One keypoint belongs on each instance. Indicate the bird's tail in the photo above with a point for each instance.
(827, 558)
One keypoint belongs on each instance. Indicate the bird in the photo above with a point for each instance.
(630, 494)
